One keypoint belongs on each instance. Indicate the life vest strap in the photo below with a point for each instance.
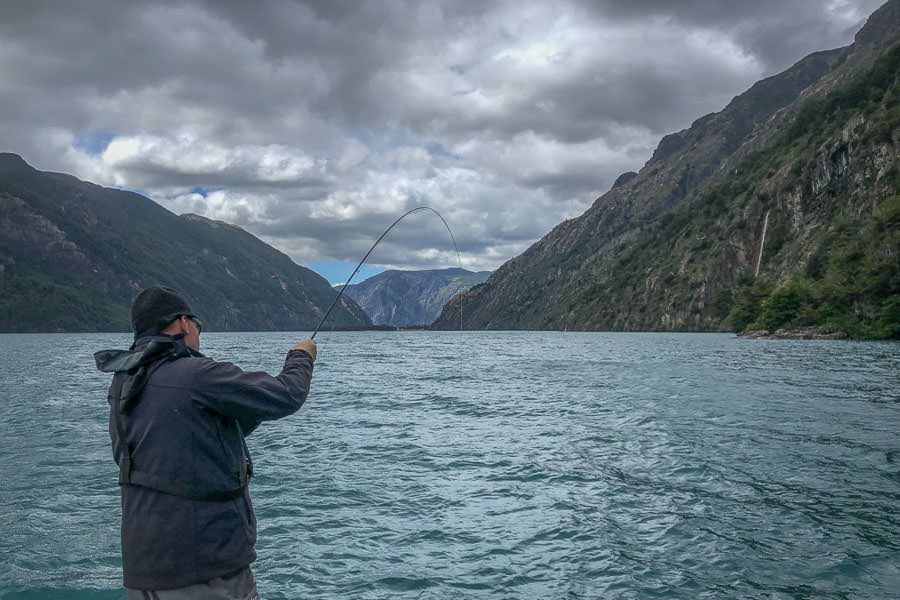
(128, 476)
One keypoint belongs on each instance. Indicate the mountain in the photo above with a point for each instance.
(74, 254)
(407, 298)
(811, 154)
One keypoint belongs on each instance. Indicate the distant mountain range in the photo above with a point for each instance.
(409, 298)
(798, 177)
(74, 254)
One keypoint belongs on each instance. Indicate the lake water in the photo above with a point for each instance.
(499, 465)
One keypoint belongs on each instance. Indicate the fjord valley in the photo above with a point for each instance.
(411, 298)
(779, 212)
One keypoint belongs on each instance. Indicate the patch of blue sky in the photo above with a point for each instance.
(205, 191)
(138, 191)
(93, 142)
(435, 148)
(337, 272)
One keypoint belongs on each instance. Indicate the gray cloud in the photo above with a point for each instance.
(315, 124)
(778, 33)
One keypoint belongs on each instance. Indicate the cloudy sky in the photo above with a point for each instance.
(314, 125)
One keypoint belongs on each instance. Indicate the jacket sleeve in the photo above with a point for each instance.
(253, 397)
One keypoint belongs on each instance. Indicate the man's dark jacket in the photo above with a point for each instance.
(184, 417)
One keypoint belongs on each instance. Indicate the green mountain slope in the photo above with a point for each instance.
(407, 298)
(675, 247)
(74, 254)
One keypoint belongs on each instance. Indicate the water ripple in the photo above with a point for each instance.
(532, 465)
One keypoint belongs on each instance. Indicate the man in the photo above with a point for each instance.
(177, 423)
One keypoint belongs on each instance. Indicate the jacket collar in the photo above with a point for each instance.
(144, 351)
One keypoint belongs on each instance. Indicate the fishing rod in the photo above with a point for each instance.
(386, 231)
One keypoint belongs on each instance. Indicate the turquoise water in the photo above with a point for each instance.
(500, 465)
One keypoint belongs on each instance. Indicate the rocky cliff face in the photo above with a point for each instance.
(410, 298)
(675, 246)
(73, 255)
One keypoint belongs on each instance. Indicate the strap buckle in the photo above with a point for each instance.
(125, 470)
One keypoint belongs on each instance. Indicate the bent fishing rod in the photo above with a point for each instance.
(386, 231)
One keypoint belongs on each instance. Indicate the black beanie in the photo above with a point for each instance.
(155, 308)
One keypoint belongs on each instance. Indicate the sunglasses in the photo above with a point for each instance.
(196, 322)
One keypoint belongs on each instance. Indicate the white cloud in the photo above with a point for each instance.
(314, 125)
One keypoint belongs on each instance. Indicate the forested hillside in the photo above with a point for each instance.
(74, 254)
(811, 155)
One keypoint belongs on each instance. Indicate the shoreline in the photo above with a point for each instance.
(805, 333)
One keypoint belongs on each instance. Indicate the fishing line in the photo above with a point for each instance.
(386, 231)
